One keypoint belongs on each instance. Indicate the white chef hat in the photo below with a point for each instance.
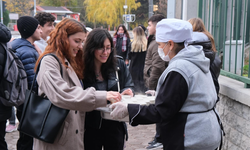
(174, 29)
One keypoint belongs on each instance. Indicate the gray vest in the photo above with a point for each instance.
(201, 128)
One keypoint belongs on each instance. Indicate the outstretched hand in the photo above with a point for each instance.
(119, 110)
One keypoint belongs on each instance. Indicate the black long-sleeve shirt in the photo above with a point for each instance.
(171, 97)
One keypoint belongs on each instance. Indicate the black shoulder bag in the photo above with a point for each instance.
(40, 118)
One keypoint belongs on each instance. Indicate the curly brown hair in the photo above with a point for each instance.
(44, 17)
(59, 44)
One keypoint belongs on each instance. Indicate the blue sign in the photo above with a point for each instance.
(128, 18)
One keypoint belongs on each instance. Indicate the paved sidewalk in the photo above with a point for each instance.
(11, 139)
(138, 137)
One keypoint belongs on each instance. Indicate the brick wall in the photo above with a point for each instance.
(235, 115)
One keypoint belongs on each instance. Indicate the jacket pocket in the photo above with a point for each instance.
(63, 138)
(149, 71)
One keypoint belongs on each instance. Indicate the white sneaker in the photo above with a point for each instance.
(155, 146)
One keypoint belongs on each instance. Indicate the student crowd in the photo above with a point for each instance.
(173, 60)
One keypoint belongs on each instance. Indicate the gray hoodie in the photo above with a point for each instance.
(202, 130)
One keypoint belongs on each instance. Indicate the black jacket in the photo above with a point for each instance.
(5, 36)
(136, 68)
(93, 119)
(118, 48)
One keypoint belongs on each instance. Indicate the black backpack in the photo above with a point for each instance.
(14, 80)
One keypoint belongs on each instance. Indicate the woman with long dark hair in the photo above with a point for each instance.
(66, 91)
(104, 71)
(121, 42)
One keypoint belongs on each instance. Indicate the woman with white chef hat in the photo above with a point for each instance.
(185, 95)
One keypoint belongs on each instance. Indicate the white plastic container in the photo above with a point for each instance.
(105, 113)
(137, 99)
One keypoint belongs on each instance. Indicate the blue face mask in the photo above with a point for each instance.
(162, 54)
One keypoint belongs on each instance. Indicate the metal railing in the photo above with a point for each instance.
(229, 22)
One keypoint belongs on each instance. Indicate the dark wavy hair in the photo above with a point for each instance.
(59, 44)
(94, 41)
(124, 28)
(44, 17)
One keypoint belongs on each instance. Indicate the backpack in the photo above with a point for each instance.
(14, 80)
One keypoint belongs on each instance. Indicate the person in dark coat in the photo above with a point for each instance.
(5, 111)
(30, 31)
(202, 37)
(137, 59)
(153, 68)
(185, 94)
(121, 42)
(101, 70)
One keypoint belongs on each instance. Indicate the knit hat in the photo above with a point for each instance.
(142, 26)
(27, 26)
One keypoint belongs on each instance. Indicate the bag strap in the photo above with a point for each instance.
(117, 79)
(38, 67)
(3, 45)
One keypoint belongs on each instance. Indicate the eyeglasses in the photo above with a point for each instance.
(109, 50)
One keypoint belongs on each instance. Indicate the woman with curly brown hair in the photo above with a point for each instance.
(66, 91)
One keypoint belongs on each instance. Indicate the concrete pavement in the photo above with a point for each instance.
(138, 137)
(11, 139)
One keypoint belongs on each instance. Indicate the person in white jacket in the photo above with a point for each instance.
(46, 21)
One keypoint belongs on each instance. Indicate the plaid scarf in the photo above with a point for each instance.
(124, 41)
